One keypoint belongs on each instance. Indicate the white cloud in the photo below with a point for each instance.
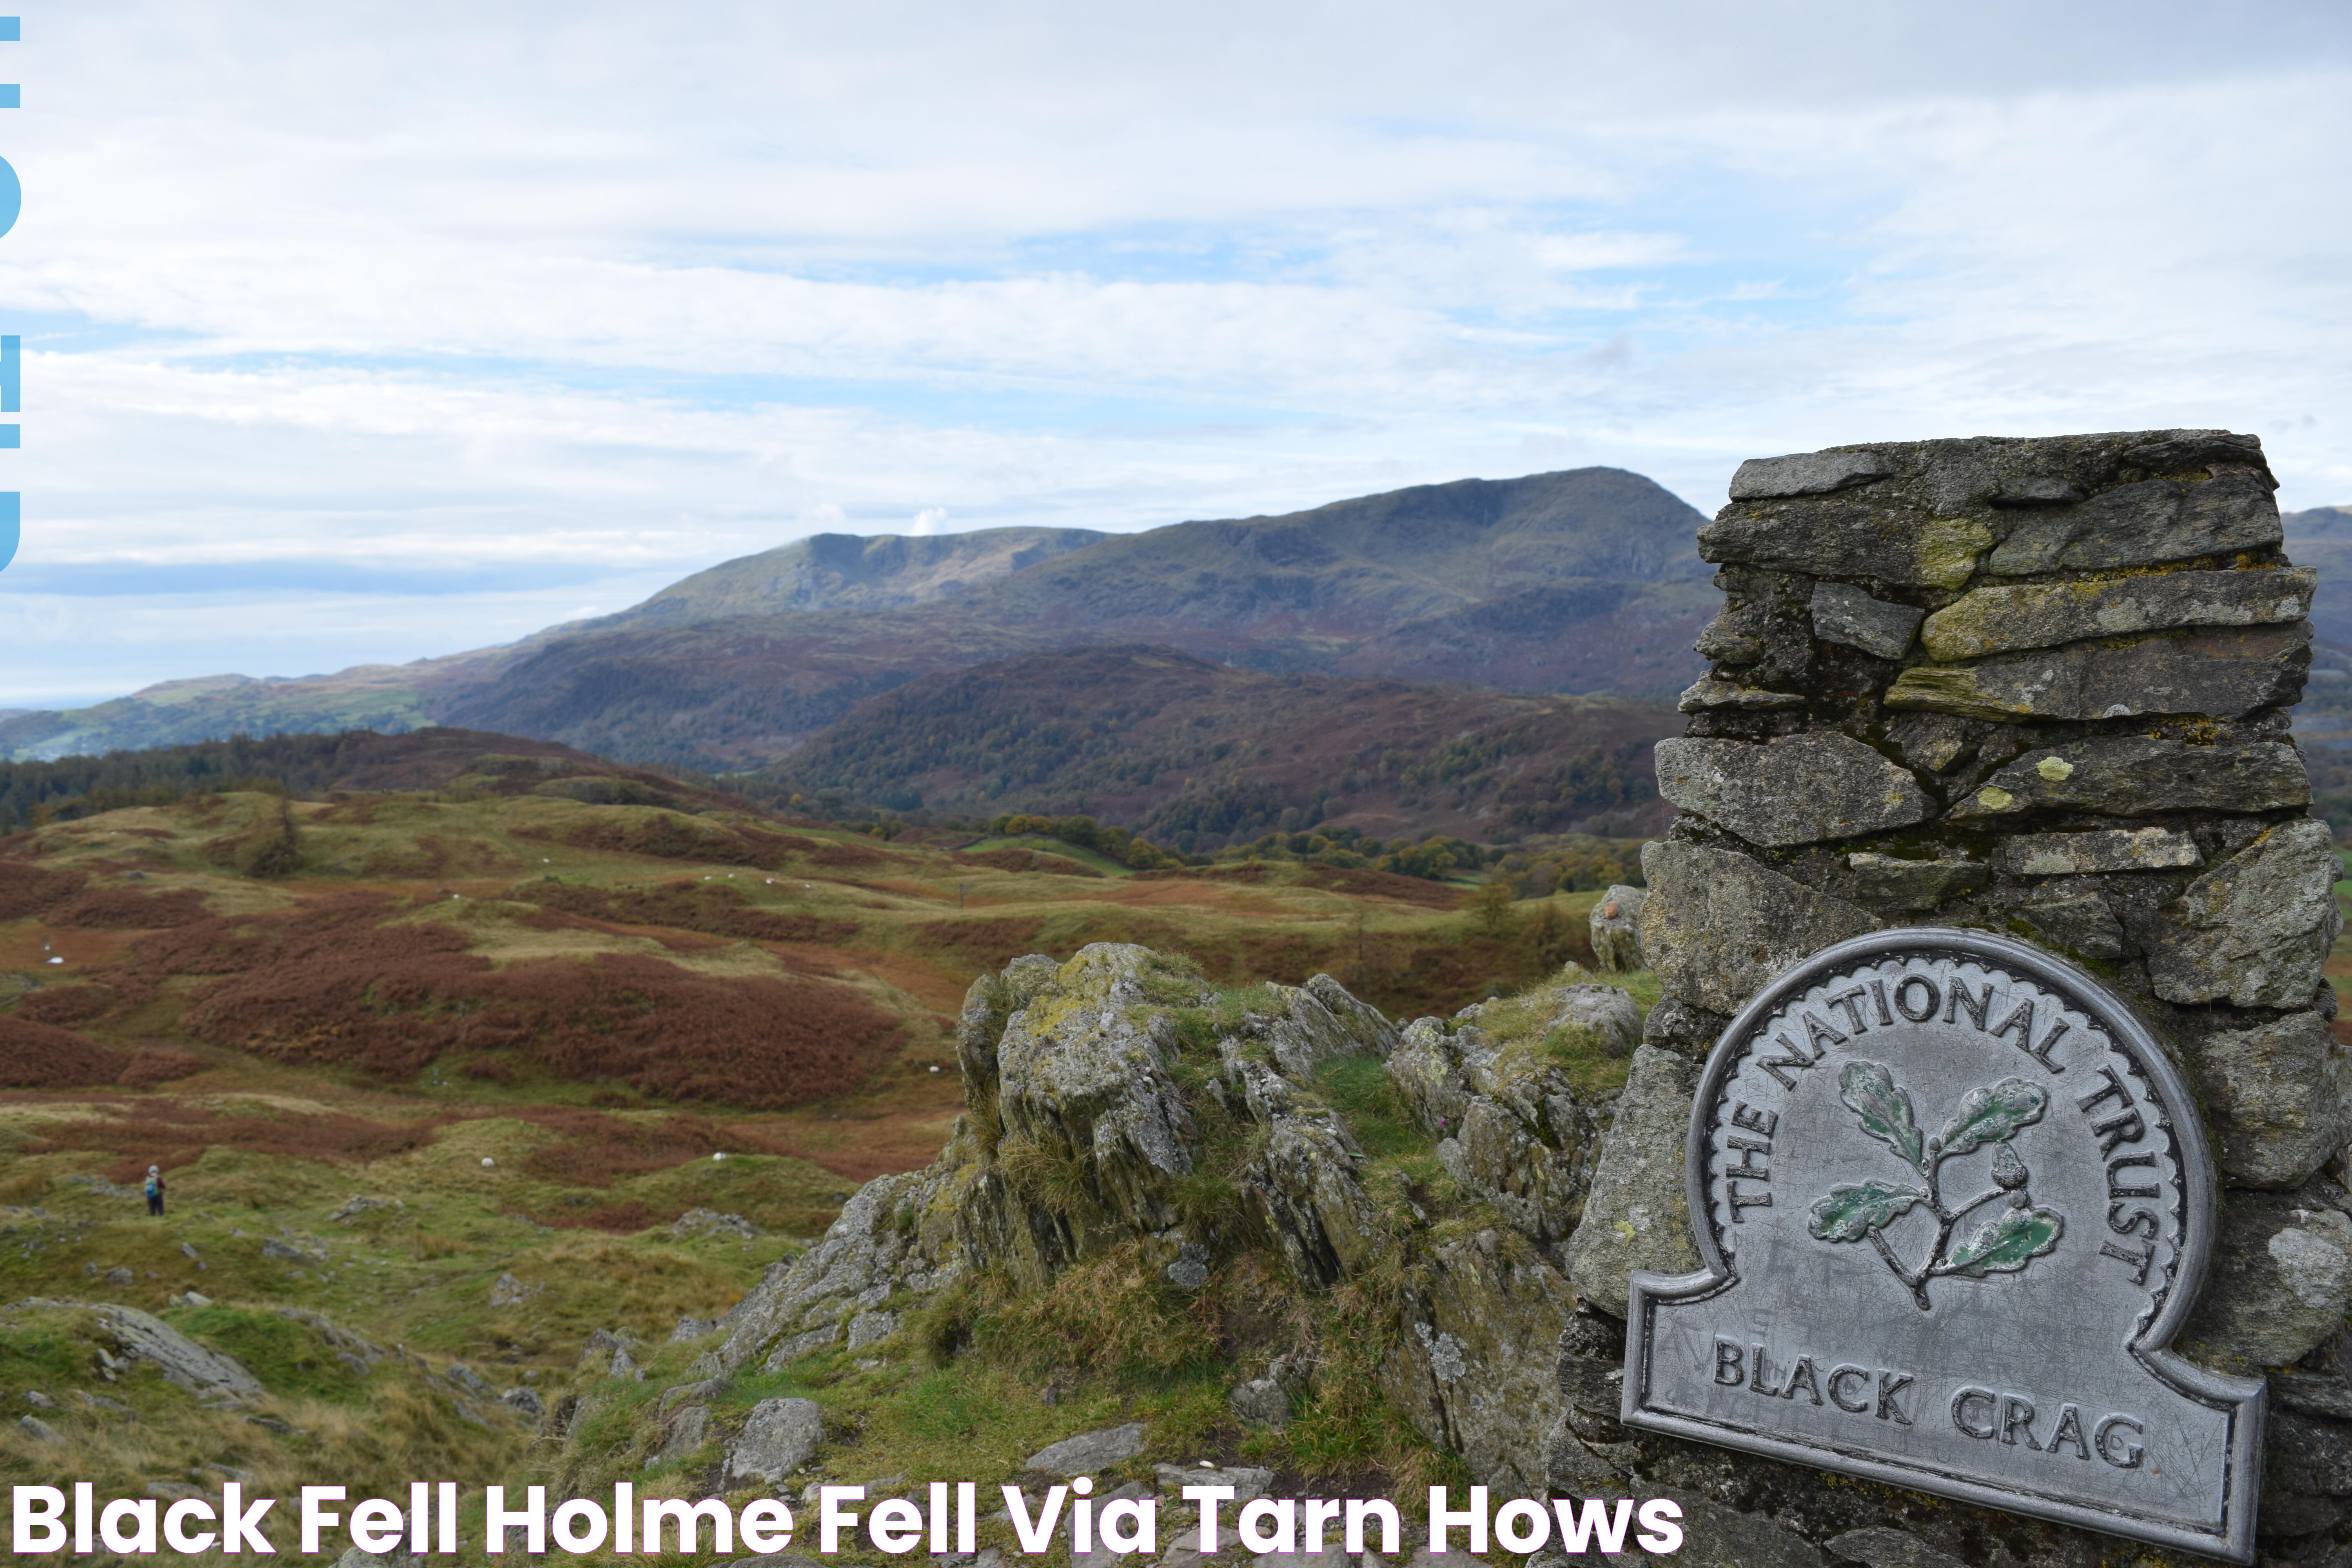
(444, 290)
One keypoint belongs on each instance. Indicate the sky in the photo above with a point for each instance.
(368, 332)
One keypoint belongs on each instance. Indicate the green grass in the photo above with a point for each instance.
(1523, 1021)
(41, 1356)
(1098, 861)
(285, 1355)
(1359, 1089)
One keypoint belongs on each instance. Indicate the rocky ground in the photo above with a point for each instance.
(1270, 1231)
(1278, 1235)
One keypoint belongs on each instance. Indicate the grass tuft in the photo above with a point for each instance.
(1052, 1177)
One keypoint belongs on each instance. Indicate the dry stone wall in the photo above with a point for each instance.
(2037, 687)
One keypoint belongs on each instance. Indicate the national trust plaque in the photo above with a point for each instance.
(1952, 1203)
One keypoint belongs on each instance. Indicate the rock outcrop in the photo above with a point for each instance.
(140, 1336)
(778, 1437)
(1615, 929)
(1116, 1104)
(1508, 1123)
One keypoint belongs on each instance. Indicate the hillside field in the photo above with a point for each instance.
(521, 1028)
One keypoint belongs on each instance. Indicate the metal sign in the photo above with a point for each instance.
(1953, 1203)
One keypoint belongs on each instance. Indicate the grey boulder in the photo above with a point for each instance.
(2255, 929)
(1476, 1370)
(1874, 533)
(2275, 1092)
(781, 1435)
(2067, 919)
(868, 1328)
(2279, 1283)
(1260, 1402)
(687, 1430)
(2141, 523)
(1847, 614)
(789, 1351)
(1084, 1082)
(1509, 1125)
(2043, 615)
(1711, 692)
(1796, 790)
(1912, 885)
(1615, 929)
(1089, 1451)
(1718, 925)
(1808, 473)
(1603, 1015)
(1636, 1216)
(180, 1359)
(2225, 672)
(2101, 849)
(1303, 1187)
(2137, 775)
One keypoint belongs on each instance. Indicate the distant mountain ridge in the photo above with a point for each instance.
(2322, 537)
(1581, 580)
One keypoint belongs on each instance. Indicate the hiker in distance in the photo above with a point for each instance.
(154, 1190)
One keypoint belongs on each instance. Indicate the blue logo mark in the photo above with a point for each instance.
(12, 204)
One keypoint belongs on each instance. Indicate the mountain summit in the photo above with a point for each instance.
(850, 571)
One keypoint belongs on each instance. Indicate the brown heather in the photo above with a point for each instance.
(599, 1149)
(172, 1134)
(329, 984)
(119, 908)
(42, 1056)
(28, 890)
(66, 1005)
(985, 944)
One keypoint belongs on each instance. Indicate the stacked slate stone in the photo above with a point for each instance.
(2038, 688)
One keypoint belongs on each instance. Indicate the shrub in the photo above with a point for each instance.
(273, 852)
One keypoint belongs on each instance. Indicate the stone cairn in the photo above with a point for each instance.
(2038, 688)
